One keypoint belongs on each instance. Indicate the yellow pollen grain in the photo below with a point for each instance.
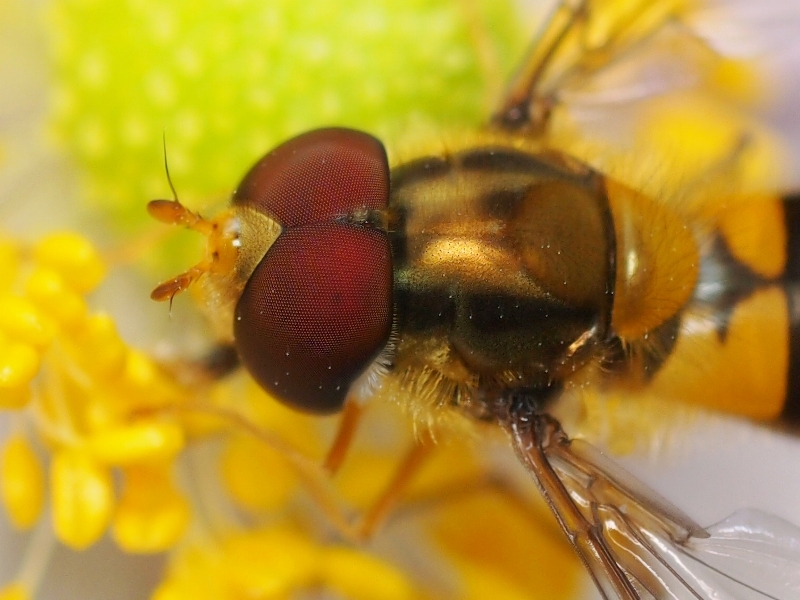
(15, 398)
(47, 290)
(270, 564)
(21, 482)
(9, 262)
(82, 496)
(359, 576)
(144, 383)
(21, 320)
(19, 363)
(141, 442)
(74, 258)
(242, 460)
(151, 515)
(100, 344)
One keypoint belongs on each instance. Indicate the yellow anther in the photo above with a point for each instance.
(20, 319)
(74, 258)
(19, 364)
(151, 515)
(243, 459)
(144, 381)
(270, 564)
(15, 591)
(21, 483)
(14, 398)
(194, 572)
(46, 289)
(140, 370)
(9, 263)
(101, 350)
(82, 498)
(140, 442)
(98, 410)
(359, 576)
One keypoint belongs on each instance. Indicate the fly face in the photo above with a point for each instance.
(308, 296)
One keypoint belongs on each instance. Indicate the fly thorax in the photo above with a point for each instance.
(507, 259)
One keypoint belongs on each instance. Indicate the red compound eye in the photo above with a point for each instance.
(317, 310)
(318, 176)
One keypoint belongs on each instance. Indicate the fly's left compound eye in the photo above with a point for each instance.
(317, 309)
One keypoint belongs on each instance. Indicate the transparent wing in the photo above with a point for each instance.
(604, 52)
(637, 546)
(762, 550)
(633, 88)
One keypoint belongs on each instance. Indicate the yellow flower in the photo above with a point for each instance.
(275, 563)
(84, 387)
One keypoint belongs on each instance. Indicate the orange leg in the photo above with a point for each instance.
(317, 481)
(391, 496)
(348, 425)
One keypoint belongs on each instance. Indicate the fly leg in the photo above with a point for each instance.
(391, 496)
(317, 481)
(579, 40)
(348, 425)
(523, 108)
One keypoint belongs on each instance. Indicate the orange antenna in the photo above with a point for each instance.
(172, 212)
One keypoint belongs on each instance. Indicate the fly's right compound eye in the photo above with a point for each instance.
(317, 309)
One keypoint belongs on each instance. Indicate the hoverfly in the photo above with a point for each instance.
(498, 278)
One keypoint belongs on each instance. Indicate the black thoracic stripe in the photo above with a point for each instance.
(504, 160)
(397, 237)
(791, 207)
(421, 169)
(423, 310)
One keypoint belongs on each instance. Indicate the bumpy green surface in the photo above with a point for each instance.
(228, 80)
